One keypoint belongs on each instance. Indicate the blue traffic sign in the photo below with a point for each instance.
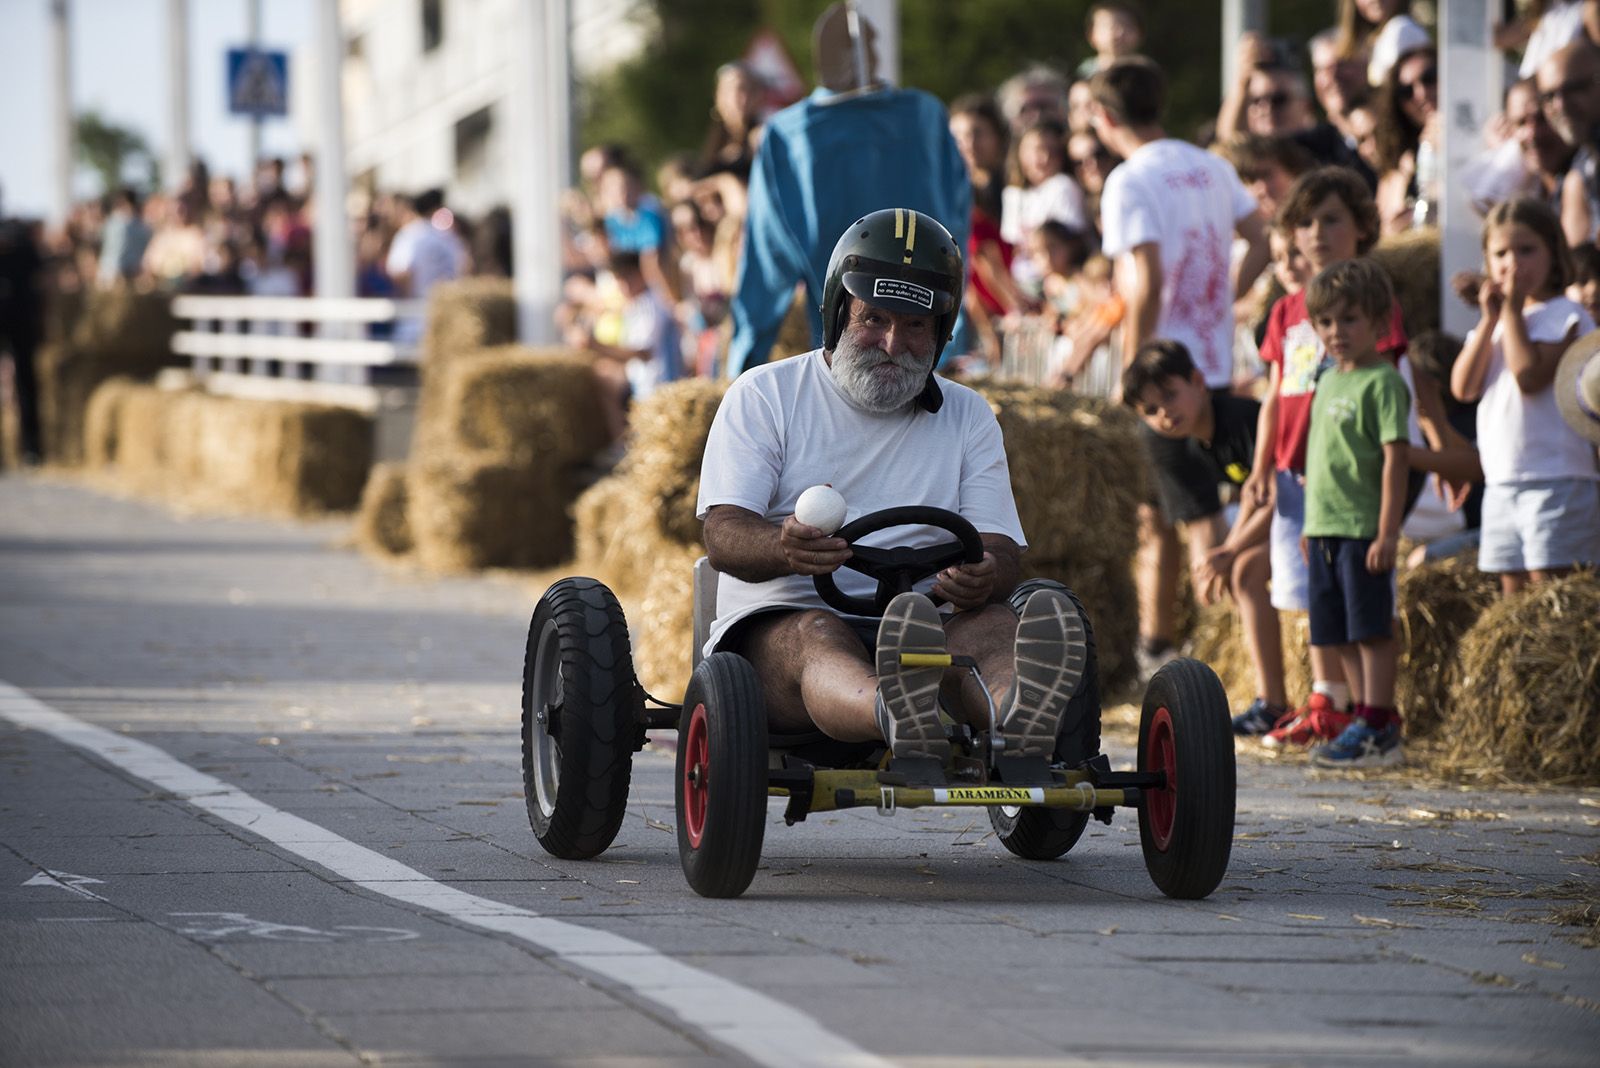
(258, 82)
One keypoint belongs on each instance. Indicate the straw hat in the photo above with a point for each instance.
(1578, 386)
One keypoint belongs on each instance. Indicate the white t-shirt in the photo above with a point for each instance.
(1188, 202)
(430, 256)
(1558, 27)
(647, 323)
(1521, 436)
(1022, 210)
(784, 427)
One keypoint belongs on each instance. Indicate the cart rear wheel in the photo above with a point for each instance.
(1186, 828)
(1034, 833)
(722, 776)
(1048, 833)
(578, 727)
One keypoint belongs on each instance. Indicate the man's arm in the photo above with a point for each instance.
(989, 581)
(746, 546)
(1575, 221)
(1141, 270)
(1256, 256)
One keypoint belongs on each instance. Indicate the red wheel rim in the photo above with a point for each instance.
(696, 776)
(1161, 754)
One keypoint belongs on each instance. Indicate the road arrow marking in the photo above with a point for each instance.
(72, 884)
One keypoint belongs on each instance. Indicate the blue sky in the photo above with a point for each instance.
(120, 66)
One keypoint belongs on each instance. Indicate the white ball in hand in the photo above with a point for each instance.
(822, 507)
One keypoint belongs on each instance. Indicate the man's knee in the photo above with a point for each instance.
(973, 631)
(1153, 524)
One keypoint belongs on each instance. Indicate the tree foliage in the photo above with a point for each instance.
(659, 102)
(111, 150)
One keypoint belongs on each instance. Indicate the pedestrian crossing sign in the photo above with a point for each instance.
(258, 82)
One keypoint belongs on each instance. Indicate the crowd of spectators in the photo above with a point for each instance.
(213, 234)
(1098, 242)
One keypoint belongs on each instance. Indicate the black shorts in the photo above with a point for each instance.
(1348, 602)
(1185, 483)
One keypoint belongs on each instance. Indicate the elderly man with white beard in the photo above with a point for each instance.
(866, 414)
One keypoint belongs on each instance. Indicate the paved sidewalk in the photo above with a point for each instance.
(1378, 921)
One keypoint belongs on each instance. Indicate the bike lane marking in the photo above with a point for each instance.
(761, 1028)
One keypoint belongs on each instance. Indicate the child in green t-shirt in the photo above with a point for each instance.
(1357, 459)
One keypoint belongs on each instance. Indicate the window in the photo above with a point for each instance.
(432, 24)
(472, 143)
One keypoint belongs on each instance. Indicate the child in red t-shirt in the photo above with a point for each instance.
(1330, 216)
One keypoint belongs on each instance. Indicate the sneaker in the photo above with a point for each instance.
(1151, 662)
(908, 697)
(1361, 745)
(1258, 719)
(1052, 652)
(1315, 721)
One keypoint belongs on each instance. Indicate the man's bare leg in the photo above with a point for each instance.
(815, 675)
(988, 635)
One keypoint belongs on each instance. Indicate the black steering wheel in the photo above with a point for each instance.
(898, 569)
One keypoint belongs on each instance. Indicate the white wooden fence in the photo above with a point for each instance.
(310, 350)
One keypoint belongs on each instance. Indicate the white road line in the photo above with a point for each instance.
(764, 1030)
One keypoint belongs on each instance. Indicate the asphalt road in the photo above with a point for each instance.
(261, 804)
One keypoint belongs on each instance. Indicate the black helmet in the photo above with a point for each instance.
(899, 260)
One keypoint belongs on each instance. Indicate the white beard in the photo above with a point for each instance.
(874, 379)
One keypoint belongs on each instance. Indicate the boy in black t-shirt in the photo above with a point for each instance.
(1204, 438)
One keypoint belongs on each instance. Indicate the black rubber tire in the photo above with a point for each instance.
(1187, 830)
(576, 785)
(1048, 833)
(729, 815)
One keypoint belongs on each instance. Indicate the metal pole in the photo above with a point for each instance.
(253, 14)
(177, 92)
(885, 18)
(540, 128)
(335, 256)
(64, 138)
(1238, 18)
(1471, 85)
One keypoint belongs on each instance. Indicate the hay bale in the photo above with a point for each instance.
(614, 534)
(381, 527)
(1412, 262)
(239, 456)
(468, 511)
(663, 621)
(272, 457)
(101, 420)
(669, 429)
(1438, 604)
(1218, 640)
(467, 316)
(1526, 704)
(525, 405)
(794, 333)
(1077, 471)
(143, 423)
(117, 332)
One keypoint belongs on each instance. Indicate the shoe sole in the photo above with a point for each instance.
(1052, 652)
(910, 696)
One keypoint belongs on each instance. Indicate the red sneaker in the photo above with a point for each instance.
(1315, 721)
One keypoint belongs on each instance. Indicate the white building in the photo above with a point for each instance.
(426, 85)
